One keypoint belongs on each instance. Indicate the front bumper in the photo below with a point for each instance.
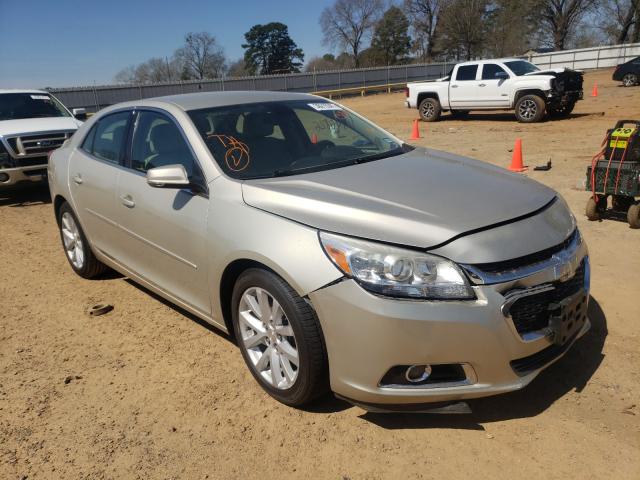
(366, 335)
(31, 174)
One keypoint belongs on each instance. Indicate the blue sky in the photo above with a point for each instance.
(54, 43)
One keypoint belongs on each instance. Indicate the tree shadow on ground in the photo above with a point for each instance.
(25, 196)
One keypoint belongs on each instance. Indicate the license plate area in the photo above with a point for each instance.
(567, 318)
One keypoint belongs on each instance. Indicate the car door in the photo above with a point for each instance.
(165, 227)
(495, 83)
(463, 88)
(93, 173)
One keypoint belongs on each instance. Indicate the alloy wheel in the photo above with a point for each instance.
(268, 339)
(428, 110)
(72, 239)
(630, 80)
(528, 109)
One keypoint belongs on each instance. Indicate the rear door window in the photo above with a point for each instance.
(467, 72)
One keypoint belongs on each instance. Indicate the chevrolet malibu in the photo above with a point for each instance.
(338, 257)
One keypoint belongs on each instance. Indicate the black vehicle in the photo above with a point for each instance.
(628, 73)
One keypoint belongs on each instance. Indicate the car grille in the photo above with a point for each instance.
(37, 144)
(30, 161)
(532, 313)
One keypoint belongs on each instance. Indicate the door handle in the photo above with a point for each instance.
(454, 86)
(127, 201)
(482, 85)
(77, 178)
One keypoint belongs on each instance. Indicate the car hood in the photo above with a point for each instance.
(423, 198)
(35, 125)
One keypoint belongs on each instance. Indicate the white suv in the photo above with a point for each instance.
(32, 124)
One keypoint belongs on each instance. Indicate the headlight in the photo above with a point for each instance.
(395, 271)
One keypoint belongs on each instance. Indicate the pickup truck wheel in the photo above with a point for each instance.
(530, 109)
(629, 80)
(430, 110)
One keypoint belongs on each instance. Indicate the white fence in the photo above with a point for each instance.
(587, 58)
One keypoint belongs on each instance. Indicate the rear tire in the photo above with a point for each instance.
(277, 336)
(594, 210)
(633, 215)
(75, 244)
(630, 79)
(430, 110)
(530, 109)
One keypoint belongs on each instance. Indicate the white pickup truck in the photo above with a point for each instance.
(32, 124)
(502, 84)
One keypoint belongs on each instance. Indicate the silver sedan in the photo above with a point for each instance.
(337, 256)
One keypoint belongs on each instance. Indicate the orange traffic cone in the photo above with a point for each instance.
(415, 132)
(516, 160)
(314, 138)
(594, 92)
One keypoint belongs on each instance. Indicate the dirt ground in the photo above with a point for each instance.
(147, 391)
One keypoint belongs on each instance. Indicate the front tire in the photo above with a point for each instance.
(530, 109)
(562, 111)
(280, 338)
(630, 79)
(430, 110)
(75, 244)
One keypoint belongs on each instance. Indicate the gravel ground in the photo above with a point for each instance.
(148, 391)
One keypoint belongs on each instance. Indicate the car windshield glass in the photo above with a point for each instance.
(521, 67)
(30, 105)
(262, 140)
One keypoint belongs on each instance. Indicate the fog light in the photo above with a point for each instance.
(4, 177)
(417, 373)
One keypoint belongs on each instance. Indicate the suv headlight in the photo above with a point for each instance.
(396, 272)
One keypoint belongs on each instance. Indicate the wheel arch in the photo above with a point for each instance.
(58, 201)
(423, 95)
(529, 91)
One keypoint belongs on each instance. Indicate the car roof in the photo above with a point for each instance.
(194, 101)
(19, 90)
(492, 60)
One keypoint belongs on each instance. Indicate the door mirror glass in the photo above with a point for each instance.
(168, 176)
(501, 75)
(79, 113)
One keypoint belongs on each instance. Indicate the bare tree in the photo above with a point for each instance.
(348, 23)
(561, 17)
(154, 70)
(424, 16)
(620, 19)
(201, 56)
(463, 31)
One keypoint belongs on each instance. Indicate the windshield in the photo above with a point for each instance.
(14, 106)
(521, 67)
(262, 140)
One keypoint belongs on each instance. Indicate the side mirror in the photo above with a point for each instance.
(169, 176)
(501, 75)
(79, 113)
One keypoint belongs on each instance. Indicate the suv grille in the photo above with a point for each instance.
(531, 313)
(37, 144)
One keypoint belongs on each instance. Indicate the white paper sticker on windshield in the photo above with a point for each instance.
(323, 107)
(40, 97)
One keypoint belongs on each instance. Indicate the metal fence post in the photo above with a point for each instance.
(95, 98)
(339, 80)
(285, 83)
